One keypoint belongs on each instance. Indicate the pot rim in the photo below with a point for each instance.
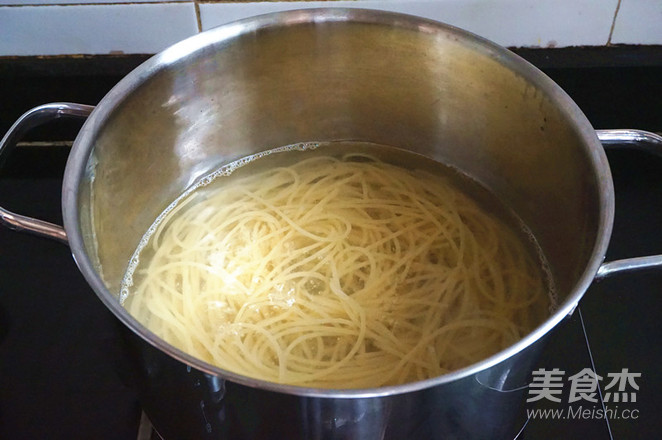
(84, 145)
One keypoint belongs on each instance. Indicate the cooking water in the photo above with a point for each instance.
(286, 355)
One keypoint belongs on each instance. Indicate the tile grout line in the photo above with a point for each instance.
(613, 23)
(198, 18)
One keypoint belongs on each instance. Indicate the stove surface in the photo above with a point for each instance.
(62, 369)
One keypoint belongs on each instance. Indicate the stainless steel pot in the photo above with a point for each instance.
(317, 75)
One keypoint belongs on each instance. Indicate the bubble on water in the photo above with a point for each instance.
(548, 278)
(224, 171)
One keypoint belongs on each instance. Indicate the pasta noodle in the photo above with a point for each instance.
(336, 272)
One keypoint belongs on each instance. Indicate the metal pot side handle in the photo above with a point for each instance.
(30, 119)
(39, 115)
(641, 140)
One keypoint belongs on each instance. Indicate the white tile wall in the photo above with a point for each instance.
(94, 29)
(76, 2)
(540, 23)
(59, 27)
(638, 22)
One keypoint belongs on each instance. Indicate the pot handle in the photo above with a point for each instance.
(30, 119)
(641, 140)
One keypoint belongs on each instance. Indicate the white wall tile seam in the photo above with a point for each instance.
(198, 17)
(613, 23)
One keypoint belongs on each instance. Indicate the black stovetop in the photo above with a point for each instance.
(61, 364)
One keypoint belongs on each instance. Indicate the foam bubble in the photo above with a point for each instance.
(224, 171)
(544, 265)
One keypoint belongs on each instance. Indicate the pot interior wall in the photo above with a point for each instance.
(239, 90)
